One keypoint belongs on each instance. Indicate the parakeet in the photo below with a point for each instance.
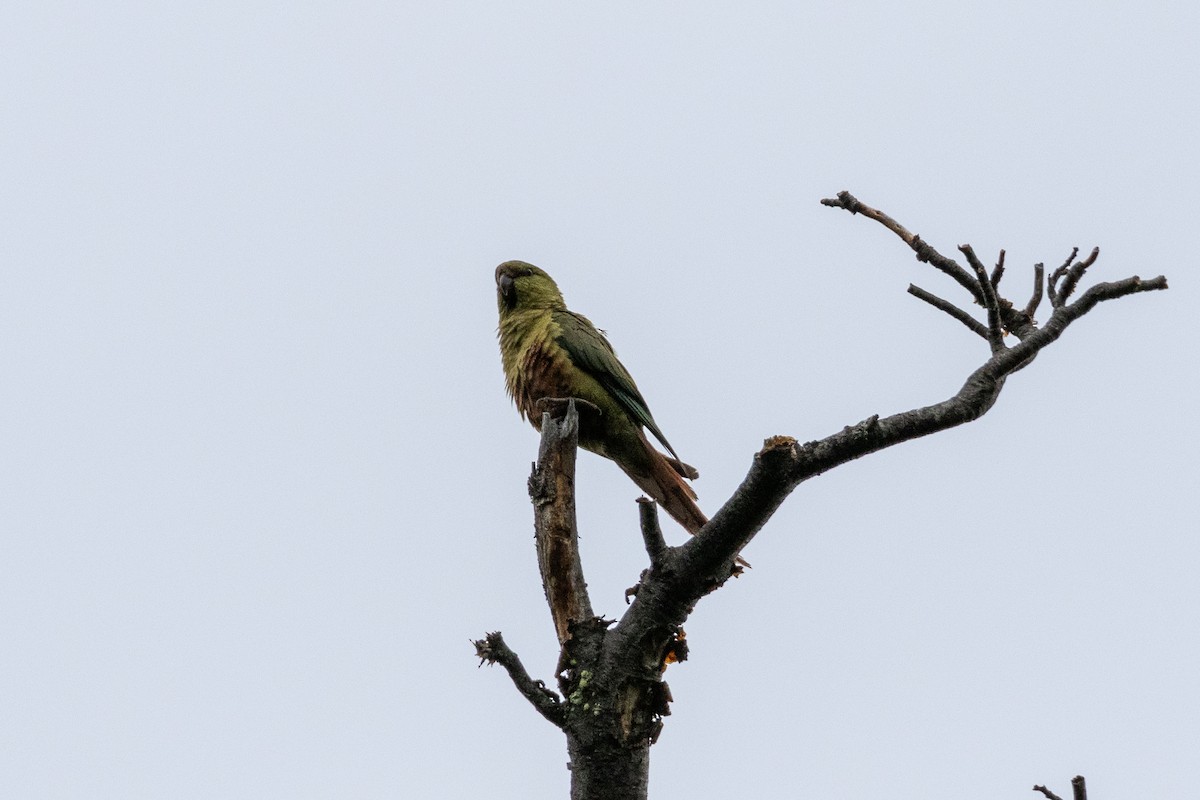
(551, 352)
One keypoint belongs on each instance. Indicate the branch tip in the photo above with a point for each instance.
(652, 536)
(778, 441)
(1070, 259)
(1039, 281)
(487, 648)
(995, 334)
(998, 270)
(777, 446)
(492, 650)
(945, 305)
(843, 200)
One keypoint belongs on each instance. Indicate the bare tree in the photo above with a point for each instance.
(611, 697)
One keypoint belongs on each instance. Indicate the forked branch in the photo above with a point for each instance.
(784, 463)
(613, 697)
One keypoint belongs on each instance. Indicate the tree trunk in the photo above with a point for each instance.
(602, 769)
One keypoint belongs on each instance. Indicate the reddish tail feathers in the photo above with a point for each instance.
(665, 483)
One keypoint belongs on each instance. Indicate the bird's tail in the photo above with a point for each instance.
(666, 485)
(664, 481)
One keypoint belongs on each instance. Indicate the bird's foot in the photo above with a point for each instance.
(557, 406)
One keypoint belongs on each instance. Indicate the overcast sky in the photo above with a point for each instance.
(262, 484)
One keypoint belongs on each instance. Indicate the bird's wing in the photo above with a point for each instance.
(591, 352)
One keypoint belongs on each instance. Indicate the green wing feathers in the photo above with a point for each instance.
(591, 352)
(549, 351)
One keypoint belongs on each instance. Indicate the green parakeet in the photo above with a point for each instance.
(551, 352)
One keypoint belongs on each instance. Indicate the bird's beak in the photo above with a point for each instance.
(507, 289)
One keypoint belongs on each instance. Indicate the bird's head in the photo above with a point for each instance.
(524, 287)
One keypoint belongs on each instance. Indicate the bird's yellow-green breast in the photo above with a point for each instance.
(550, 351)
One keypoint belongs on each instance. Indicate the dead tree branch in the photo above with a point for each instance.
(610, 675)
(492, 650)
(552, 489)
(1078, 790)
(784, 463)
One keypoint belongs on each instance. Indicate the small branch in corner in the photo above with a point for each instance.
(493, 650)
(656, 545)
(945, 305)
(1078, 790)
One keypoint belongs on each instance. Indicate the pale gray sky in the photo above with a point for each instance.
(262, 484)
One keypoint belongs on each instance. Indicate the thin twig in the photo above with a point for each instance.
(493, 650)
(1075, 273)
(1039, 279)
(784, 463)
(995, 335)
(656, 545)
(1057, 299)
(998, 271)
(1110, 291)
(1049, 794)
(925, 252)
(951, 309)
